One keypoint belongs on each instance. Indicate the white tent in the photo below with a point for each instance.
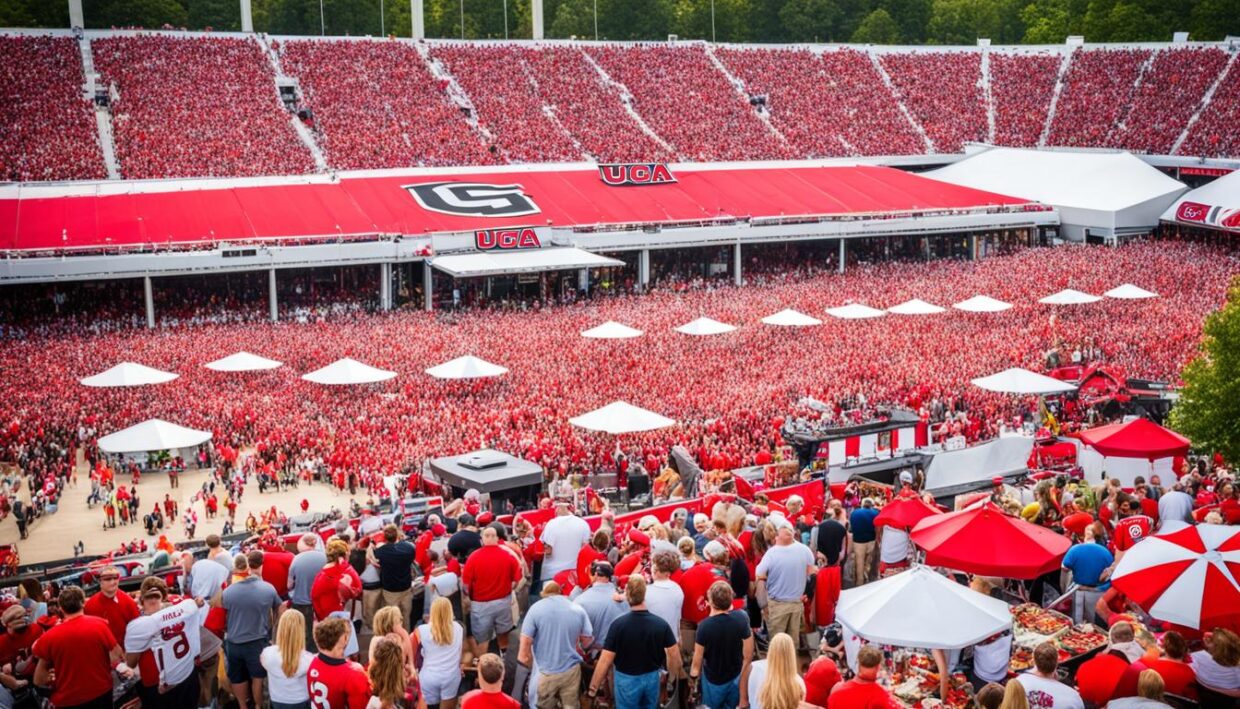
(791, 318)
(348, 371)
(982, 304)
(922, 608)
(855, 311)
(705, 326)
(1022, 381)
(242, 362)
(1215, 205)
(611, 330)
(152, 435)
(1104, 193)
(621, 417)
(467, 367)
(129, 374)
(1069, 296)
(1129, 292)
(916, 306)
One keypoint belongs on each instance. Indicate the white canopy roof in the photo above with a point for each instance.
(705, 326)
(242, 362)
(1103, 191)
(1129, 292)
(348, 371)
(916, 306)
(486, 263)
(791, 318)
(621, 417)
(982, 304)
(129, 374)
(152, 435)
(1069, 296)
(855, 311)
(1022, 381)
(921, 608)
(467, 367)
(1215, 205)
(611, 330)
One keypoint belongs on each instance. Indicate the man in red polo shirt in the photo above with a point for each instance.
(1132, 526)
(276, 562)
(82, 651)
(113, 606)
(863, 691)
(1113, 673)
(490, 576)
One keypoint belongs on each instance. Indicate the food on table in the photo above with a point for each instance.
(1040, 620)
(1077, 642)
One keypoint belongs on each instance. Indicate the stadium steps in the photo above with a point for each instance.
(1064, 66)
(626, 99)
(458, 96)
(103, 115)
(549, 112)
(1133, 92)
(739, 86)
(990, 99)
(1205, 101)
(301, 129)
(895, 95)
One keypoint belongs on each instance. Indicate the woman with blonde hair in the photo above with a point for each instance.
(775, 683)
(1014, 696)
(286, 663)
(389, 678)
(387, 626)
(441, 640)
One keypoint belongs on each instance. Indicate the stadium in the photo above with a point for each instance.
(652, 317)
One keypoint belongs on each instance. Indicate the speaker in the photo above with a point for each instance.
(638, 485)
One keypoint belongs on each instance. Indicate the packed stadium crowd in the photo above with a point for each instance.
(375, 104)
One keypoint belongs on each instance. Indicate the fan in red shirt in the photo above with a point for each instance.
(697, 581)
(489, 695)
(17, 640)
(111, 605)
(821, 677)
(1112, 674)
(589, 554)
(336, 583)
(82, 651)
(1173, 667)
(863, 691)
(333, 681)
(276, 562)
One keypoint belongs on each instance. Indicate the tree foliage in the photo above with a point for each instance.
(1208, 411)
(915, 21)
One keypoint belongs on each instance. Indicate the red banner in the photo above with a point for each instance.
(1192, 212)
(812, 492)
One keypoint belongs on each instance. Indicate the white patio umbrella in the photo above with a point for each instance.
(152, 435)
(467, 367)
(1068, 296)
(981, 304)
(243, 362)
(611, 330)
(916, 306)
(1022, 381)
(1129, 292)
(621, 417)
(705, 326)
(348, 371)
(791, 318)
(921, 608)
(129, 374)
(855, 311)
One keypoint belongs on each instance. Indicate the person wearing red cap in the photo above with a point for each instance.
(638, 547)
(490, 577)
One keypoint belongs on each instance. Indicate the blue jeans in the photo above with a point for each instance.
(637, 691)
(721, 696)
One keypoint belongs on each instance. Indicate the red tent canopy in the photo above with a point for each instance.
(984, 540)
(905, 512)
(1141, 438)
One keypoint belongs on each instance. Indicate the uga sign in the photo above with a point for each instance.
(505, 239)
(651, 173)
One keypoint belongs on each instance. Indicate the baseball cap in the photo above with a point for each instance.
(906, 477)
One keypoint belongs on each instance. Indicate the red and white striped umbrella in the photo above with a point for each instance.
(1190, 577)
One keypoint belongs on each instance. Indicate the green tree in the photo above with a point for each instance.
(151, 14)
(912, 17)
(1214, 19)
(691, 19)
(1046, 22)
(1131, 23)
(1208, 411)
(963, 21)
(764, 23)
(15, 14)
(810, 20)
(877, 28)
(573, 18)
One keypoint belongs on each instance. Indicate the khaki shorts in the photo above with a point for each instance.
(560, 690)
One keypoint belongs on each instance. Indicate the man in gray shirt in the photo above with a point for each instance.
(784, 569)
(601, 604)
(1175, 509)
(301, 574)
(553, 630)
(251, 604)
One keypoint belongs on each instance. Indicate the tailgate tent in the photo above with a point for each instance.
(1104, 193)
(1126, 450)
(1215, 205)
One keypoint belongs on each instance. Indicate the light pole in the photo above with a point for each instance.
(595, 20)
(382, 30)
(505, 19)
(322, 26)
(712, 21)
(462, 19)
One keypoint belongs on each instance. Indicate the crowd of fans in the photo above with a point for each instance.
(49, 127)
(1170, 92)
(1096, 93)
(943, 91)
(1212, 134)
(191, 107)
(1021, 88)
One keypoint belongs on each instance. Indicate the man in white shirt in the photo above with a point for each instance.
(893, 550)
(562, 539)
(172, 636)
(1043, 688)
(369, 524)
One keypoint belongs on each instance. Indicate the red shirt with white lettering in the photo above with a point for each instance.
(1130, 530)
(337, 684)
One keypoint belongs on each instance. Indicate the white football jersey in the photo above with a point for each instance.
(172, 635)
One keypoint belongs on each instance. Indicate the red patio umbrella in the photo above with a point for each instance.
(905, 512)
(1141, 438)
(984, 540)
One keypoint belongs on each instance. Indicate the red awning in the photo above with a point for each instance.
(905, 512)
(1141, 438)
(184, 212)
(984, 540)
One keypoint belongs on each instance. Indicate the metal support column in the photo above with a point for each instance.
(427, 283)
(841, 266)
(418, 20)
(536, 15)
(247, 17)
(271, 295)
(973, 247)
(149, 295)
(583, 280)
(643, 268)
(737, 276)
(385, 286)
